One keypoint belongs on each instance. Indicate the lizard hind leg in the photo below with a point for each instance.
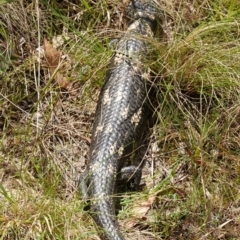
(132, 175)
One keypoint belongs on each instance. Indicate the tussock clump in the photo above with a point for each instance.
(198, 132)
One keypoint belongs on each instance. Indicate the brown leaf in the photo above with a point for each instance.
(53, 57)
(140, 210)
(61, 80)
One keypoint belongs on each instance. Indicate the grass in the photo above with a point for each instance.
(192, 171)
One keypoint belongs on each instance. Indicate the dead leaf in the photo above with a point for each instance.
(140, 211)
(61, 80)
(53, 57)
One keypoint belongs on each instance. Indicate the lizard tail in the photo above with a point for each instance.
(106, 220)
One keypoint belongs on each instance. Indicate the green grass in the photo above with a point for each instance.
(192, 186)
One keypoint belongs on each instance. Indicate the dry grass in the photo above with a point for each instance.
(46, 113)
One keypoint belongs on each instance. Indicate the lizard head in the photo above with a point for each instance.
(144, 9)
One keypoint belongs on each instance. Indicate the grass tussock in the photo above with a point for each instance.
(46, 113)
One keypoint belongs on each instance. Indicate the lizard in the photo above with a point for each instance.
(120, 118)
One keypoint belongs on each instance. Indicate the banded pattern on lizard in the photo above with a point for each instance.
(120, 117)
